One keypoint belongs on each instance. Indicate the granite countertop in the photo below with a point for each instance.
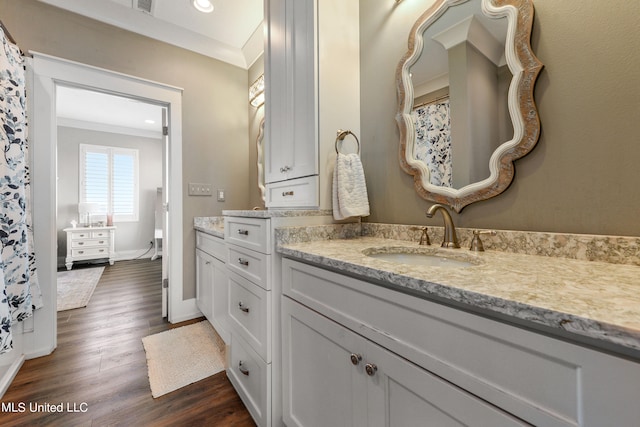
(213, 225)
(597, 300)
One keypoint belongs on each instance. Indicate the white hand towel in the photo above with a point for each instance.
(349, 188)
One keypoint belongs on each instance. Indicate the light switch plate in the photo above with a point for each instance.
(220, 195)
(199, 189)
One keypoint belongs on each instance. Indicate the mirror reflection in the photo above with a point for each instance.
(460, 82)
(260, 161)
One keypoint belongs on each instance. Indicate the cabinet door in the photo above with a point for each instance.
(321, 386)
(403, 394)
(291, 139)
(204, 278)
(220, 287)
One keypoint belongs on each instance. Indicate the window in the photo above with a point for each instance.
(109, 177)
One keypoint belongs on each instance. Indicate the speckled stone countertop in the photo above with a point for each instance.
(213, 225)
(592, 299)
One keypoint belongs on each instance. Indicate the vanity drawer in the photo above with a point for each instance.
(250, 314)
(294, 193)
(251, 265)
(89, 243)
(250, 233)
(214, 246)
(502, 364)
(251, 377)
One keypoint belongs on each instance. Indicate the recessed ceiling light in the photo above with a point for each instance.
(203, 5)
(150, 121)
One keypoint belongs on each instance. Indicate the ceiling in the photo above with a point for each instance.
(86, 109)
(232, 33)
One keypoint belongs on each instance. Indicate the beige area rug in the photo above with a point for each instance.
(75, 287)
(181, 356)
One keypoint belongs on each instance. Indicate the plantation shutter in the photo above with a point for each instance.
(109, 177)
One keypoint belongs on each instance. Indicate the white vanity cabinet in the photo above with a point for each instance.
(250, 312)
(474, 370)
(254, 311)
(333, 376)
(211, 281)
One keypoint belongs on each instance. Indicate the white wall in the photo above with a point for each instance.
(132, 238)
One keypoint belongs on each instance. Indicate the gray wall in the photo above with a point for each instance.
(582, 177)
(215, 122)
(132, 238)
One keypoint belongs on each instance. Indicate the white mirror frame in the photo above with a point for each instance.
(524, 67)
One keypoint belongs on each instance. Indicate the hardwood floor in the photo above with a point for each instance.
(100, 366)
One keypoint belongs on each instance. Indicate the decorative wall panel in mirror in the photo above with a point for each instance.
(465, 98)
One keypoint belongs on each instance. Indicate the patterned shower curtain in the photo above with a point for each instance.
(433, 141)
(18, 279)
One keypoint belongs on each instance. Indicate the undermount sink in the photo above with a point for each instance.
(415, 256)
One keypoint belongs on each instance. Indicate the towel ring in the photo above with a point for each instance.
(342, 135)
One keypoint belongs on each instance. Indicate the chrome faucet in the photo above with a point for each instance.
(450, 237)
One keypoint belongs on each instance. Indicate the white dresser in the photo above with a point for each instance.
(89, 243)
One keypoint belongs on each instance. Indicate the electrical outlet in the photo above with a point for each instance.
(220, 195)
(199, 189)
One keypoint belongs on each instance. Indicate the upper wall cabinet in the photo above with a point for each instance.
(291, 139)
(312, 90)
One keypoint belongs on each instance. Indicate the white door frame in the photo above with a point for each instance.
(48, 72)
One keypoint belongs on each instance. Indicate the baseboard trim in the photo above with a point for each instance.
(119, 256)
(10, 374)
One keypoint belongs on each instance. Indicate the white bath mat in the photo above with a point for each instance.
(75, 287)
(181, 356)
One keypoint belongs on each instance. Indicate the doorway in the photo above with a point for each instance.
(111, 183)
(48, 74)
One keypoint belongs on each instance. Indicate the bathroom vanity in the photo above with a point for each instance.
(251, 301)
(511, 339)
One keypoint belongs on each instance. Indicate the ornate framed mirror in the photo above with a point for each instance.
(466, 110)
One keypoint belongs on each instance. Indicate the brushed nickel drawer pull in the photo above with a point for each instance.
(243, 232)
(101, 250)
(242, 369)
(243, 308)
(355, 358)
(81, 252)
(101, 242)
(287, 193)
(243, 261)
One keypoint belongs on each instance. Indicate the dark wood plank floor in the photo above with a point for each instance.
(100, 362)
